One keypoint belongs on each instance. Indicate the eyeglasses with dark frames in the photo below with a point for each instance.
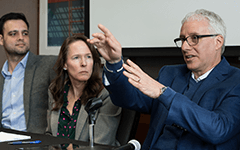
(192, 40)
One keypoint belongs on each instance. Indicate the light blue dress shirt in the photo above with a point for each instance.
(12, 101)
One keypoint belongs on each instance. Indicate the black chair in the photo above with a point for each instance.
(128, 126)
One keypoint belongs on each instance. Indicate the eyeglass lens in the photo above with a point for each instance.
(191, 40)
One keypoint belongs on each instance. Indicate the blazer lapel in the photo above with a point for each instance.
(180, 83)
(29, 73)
(81, 121)
(216, 76)
(54, 121)
(1, 92)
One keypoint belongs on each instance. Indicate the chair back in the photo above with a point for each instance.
(128, 126)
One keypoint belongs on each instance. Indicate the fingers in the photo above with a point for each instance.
(107, 45)
(133, 72)
(104, 30)
(109, 36)
(132, 67)
(106, 36)
(132, 77)
(97, 37)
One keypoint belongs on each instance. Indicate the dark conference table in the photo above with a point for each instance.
(48, 143)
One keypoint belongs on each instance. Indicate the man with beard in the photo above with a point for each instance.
(24, 78)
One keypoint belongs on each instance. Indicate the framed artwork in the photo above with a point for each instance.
(60, 19)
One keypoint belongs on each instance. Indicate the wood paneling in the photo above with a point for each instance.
(30, 9)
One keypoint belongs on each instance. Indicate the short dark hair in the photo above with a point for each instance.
(12, 16)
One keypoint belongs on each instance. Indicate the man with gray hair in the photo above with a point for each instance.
(193, 106)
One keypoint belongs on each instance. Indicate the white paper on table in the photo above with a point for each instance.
(4, 136)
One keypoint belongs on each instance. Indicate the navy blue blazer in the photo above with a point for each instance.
(211, 117)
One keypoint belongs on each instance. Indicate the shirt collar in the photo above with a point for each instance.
(202, 76)
(23, 62)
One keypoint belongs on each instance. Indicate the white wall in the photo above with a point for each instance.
(148, 23)
(155, 23)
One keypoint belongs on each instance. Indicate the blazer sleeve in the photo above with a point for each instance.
(213, 126)
(108, 118)
(126, 95)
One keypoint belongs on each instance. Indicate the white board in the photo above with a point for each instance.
(155, 23)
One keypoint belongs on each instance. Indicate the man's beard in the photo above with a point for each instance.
(15, 52)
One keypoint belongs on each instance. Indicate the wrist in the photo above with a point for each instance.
(114, 61)
(162, 90)
(115, 67)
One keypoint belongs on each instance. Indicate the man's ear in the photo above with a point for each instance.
(219, 42)
(1, 39)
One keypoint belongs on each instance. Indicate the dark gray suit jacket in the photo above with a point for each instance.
(38, 75)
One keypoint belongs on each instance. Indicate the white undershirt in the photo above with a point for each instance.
(202, 76)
